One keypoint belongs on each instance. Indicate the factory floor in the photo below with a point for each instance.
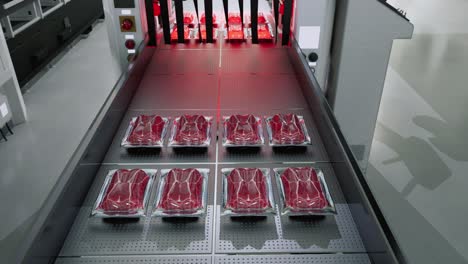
(61, 105)
(419, 157)
(418, 161)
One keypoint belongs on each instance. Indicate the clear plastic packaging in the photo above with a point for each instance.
(203, 26)
(189, 18)
(191, 131)
(146, 131)
(234, 18)
(125, 193)
(243, 131)
(247, 192)
(236, 32)
(287, 130)
(303, 191)
(265, 30)
(188, 33)
(182, 193)
(235, 27)
(189, 27)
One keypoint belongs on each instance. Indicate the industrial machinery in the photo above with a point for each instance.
(216, 79)
(38, 30)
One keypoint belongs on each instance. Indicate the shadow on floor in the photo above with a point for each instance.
(432, 247)
(422, 161)
(434, 65)
(448, 138)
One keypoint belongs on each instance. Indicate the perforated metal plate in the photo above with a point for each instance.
(283, 234)
(119, 155)
(137, 259)
(97, 237)
(296, 259)
(190, 79)
(312, 153)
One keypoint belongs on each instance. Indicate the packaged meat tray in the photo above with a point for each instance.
(187, 33)
(247, 192)
(125, 193)
(287, 130)
(203, 32)
(242, 131)
(236, 32)
(203, 20)
(235, 27)
(146, 131)
(264, 32)
(191, 131)
(182, 193)
(234, 18)
(303, 191)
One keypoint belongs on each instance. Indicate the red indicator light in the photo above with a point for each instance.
(127, 24)
(130, 44)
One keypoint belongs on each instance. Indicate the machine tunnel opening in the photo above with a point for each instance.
(211, 21)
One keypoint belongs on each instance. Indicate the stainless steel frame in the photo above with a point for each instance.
(358, 234)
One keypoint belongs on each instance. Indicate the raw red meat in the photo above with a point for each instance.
(264, 32)
(236, 32)
(188, 18)
(174, 35)
(243, 129)
(125, 193)
(147, 130)
(191, 130)
(302, 189)
(182, 191)
(203, 18)
(234, 18)
(247, 191)
(287, 129)
(203, 32)
(261, 18)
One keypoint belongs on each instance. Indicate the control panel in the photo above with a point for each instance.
(313, 28)
(126, 26)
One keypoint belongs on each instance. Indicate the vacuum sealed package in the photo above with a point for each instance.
(304, 191)
(203, 26)
(182, 193)
(287, 130)
(125, 193)
(242, 131)
(191, 131)
(247, 192)
(235, 27)
(146, 131)
(265, 31)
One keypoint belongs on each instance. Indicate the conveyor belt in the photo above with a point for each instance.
(218, 81)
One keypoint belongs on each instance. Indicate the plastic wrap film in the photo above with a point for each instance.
(235, 27)
(247, 192)
(304, 191)
(125, 193)
(242, 131)
(191, 131)
(182, 193)
(146, 131)
(287, 130)
(265, 30)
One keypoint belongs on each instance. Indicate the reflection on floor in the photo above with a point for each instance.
(419, 156)
(61, 106)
